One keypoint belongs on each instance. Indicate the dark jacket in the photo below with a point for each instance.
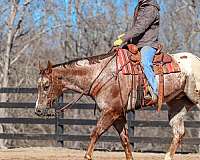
(145, 27)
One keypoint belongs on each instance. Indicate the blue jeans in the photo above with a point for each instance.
(147, 54)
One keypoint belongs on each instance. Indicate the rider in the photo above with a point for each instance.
(144, 34)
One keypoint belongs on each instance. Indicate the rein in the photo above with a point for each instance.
(78, 97)
(70, 104)
(102, 70)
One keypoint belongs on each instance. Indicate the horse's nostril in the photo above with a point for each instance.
(38, 111)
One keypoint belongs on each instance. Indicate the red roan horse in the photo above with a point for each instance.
(96, 77)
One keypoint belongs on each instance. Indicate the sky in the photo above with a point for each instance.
(86, 5)
(97, 8)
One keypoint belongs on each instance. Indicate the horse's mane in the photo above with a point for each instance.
(92, 59)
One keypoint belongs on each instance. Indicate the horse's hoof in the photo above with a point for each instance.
(87, 157)
(168, 157)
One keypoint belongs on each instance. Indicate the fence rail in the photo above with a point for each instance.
(59, 121)
(87, 122)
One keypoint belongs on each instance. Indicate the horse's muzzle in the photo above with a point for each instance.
(38, 112)
(44, 113)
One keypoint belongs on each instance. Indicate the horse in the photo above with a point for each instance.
(96, 77)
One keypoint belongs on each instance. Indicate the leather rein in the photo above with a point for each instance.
(78, 97)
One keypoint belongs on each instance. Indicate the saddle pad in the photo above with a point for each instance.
(129, 63)
(123, 61)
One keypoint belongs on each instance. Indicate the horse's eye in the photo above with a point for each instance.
(46, 88)
(60, 78)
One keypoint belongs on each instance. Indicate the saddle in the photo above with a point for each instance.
(129, 62)
(168, 64)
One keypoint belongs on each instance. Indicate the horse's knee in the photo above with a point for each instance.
(178, 129)
(124, 138)
(179, 132)
(177, 124)
(95, 133)
(98, 131)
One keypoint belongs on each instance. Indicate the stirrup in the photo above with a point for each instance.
(151, 95)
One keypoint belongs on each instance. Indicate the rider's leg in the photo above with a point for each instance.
(147, 55)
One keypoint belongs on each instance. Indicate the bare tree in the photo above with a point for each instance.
(13, 32)
(19, 38)
(180, 25)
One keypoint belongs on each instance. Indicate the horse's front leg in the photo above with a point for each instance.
(106, 120)
(119, 125)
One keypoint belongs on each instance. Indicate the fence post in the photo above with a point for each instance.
(131, 117)
(59, 128)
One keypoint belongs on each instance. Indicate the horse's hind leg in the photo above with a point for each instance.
(177, 109)
(106, 120)
(119, 125)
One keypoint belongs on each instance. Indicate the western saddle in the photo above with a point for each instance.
(163, 63)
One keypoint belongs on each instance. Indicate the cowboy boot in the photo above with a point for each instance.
(151, 96)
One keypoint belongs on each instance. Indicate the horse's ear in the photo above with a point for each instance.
(49, 67)
(41, 68)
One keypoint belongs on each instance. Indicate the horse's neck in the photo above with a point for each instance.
(79, 77)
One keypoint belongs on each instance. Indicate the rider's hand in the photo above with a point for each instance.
(119, 41)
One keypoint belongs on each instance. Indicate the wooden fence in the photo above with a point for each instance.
(59, 121)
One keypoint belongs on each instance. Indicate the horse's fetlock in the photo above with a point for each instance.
(88, 157)
(125, 143)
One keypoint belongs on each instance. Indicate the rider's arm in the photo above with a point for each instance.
(146, 16)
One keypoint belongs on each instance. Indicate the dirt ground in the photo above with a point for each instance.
(39, 153)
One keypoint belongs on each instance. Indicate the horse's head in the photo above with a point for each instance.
(50, 87)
